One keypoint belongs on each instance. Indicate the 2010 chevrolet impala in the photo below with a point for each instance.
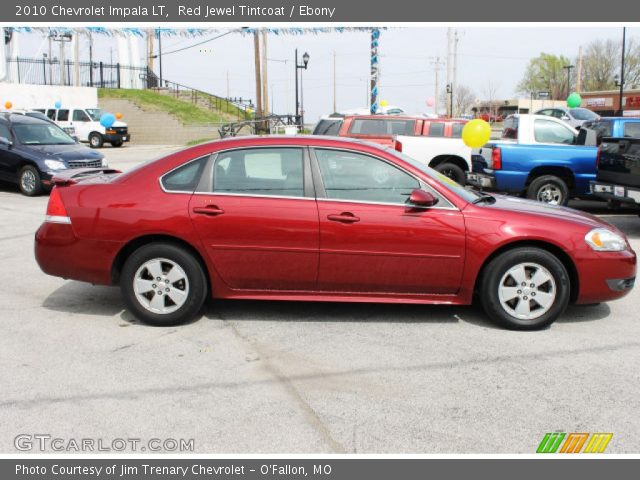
(318, 218)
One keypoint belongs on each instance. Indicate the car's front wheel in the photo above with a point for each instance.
(525, 288)
(163, 284)
(29, 181)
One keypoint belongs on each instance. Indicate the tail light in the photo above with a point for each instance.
(496, 158)
(56, 212)
(398, 146)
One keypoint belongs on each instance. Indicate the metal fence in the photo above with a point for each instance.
(46, 71)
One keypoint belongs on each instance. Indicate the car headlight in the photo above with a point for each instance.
(55, 164)
(603, 240)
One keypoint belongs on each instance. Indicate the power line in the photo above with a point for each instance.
(200, 43)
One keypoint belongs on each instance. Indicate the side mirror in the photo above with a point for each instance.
(422, 198)
(565, 117)
(6, 142)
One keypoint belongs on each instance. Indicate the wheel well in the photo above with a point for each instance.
(92, 132)
(553, 249)
(136, 243)
(460, 162)
(562, 172)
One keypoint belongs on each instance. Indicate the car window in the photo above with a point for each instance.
(260, 171)
(184, 178)
(557, 113)
(436, 129)
(546, 131)
(4, 132)
(632, 129)
(328, 127)
(456, 130)
(80, 116)
(63, 115)
(510, 128)
(51, 113)
(546, 112)
(44, 133)
(361, 178)
(94, 113)
(369, 126)
(583, 114)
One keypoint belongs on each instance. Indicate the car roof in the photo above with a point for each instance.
(20, 118)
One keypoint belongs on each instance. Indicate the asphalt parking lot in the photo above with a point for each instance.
(278, 377)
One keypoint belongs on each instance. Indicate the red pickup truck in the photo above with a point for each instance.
(382, 128)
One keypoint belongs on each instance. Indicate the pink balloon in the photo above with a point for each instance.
(430, 102)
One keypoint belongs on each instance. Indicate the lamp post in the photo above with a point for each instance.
(303, 65)
(620, 81)
(568, 68)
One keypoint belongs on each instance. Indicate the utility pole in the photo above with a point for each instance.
(76, 57)
(160, 55)
(334, 82)
(265, 78)
(256, 54)
(568, 68)
(624, 41)
(437, 63)
(450, 41)
(454, 80)
(579, 73)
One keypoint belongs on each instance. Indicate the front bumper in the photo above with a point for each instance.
(620, 193)
(605, 276)
(481, 180)
(116, 137)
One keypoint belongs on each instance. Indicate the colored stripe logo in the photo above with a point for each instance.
(574, 442)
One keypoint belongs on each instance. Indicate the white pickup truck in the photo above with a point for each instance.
(448, 155)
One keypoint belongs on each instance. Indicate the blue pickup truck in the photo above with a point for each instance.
(544, 158)
(537, 156)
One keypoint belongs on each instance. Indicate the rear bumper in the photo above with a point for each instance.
(481, 180)
(60, 253)
(605, 276)
(620, 193)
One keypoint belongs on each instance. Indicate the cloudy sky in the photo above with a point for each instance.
(487, 56)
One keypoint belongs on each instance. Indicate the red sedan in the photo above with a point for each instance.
(319, 218)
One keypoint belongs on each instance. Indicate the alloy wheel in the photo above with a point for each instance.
(161, 286)
(527, 291)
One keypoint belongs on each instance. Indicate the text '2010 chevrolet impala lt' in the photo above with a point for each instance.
(321, 218)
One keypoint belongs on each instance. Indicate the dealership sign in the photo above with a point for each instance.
(596, 102)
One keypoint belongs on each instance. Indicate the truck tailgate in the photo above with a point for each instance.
(620, 162)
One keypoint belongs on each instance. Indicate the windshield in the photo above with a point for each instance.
(94, 113)
(583, 114)
(468, 195)
(41, 134)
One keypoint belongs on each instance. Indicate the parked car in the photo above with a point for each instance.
(32, 150)
(86, 122)
(618, 177)
(313, 218)
(609, 127)
(573, 116)
(36, 114)
(538, 156)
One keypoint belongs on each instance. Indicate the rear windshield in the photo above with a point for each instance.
(371, 126)
(632, 129)
(328, 127)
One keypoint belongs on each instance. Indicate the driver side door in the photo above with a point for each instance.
(372, 240)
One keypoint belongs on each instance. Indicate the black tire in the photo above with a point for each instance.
(96, 140)
(549, 189)
(116, 144)
(453, 171)
(195, 285)
(495, 276)
(29, 181)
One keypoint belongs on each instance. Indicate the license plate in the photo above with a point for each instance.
(601, 188)
(472, 176)
(618, 191)
(124, 139)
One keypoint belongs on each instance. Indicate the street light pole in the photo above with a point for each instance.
(295, 66)
(620, 104)
(305, 62)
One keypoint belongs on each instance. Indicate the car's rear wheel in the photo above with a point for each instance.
(96, 140)
(29, 181)
(453, 171)
(163, 284)
(525, 288)
(549, 189)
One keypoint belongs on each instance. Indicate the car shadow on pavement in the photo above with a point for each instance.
(81, 298)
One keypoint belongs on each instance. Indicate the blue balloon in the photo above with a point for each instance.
(107, 119)
(58, 104)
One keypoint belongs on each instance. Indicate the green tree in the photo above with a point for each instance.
(547, 73)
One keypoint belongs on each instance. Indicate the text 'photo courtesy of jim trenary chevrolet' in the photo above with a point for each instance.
(260, 236)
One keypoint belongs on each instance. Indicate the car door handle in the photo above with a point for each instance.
(212, 210)
(344, 217)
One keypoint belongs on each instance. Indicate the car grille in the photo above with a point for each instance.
(85, 163)
(120, 130)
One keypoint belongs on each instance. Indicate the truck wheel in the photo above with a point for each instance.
(29, 181)
(453, 171)
(525, 289)
(163, 284)
(549, 189)
(95, 140)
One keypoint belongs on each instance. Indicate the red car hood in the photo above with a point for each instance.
(514, 204)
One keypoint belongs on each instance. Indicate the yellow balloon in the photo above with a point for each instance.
(384, 103)
(476, 133)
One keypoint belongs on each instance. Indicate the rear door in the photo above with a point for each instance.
(9, 159)
(256, 214)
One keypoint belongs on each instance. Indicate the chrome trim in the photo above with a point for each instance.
(255, 195)
(57, 219)
(404, 205)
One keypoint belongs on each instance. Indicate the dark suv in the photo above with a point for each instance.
(33, 150)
